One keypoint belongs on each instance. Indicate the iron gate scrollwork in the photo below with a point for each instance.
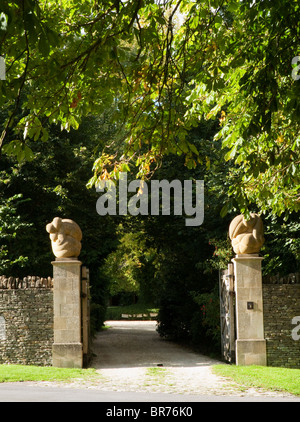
(227, 313)
(85, 315)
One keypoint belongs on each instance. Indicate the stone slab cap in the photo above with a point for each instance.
(65, 238)
(246, 236)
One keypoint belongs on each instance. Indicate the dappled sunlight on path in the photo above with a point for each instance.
(137, 344)
(131, 356)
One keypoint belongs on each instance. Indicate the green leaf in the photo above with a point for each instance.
(193, 148)
(45, 135)
(224, 210)
(43, 45)
(230, 154)
(28, 154)
(20, 153)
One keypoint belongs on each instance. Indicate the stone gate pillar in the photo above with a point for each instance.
(67, 348)
(247, 239)
(65, 238)
(250, 342)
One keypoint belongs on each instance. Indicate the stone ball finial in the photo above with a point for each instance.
(246, 236)
(65, 238)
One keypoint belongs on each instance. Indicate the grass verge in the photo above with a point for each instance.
(156, 372)
(17, 373)
(155, 376)
(266, 377)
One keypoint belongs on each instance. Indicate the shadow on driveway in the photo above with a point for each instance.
(137, 344)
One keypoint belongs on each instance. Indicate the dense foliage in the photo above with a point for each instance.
(172, 89)
(167, 65)
(53, 184)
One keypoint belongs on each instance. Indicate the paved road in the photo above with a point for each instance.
(124, 355)
(22, 392)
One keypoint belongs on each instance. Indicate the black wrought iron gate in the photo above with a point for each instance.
(227, 313)
(85, 315)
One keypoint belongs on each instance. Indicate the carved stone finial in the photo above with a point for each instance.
(65, 238)
(246, 236)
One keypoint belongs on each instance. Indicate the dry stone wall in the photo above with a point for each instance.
(26, 320)
(281, 298)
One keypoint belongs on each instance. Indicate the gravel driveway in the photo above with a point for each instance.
(134, 363)
(131, 356)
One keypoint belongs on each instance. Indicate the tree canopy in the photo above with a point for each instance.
(165, 65)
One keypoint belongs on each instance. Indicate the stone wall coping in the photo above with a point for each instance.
(66, 261)
(247, 257)
(29, 282)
